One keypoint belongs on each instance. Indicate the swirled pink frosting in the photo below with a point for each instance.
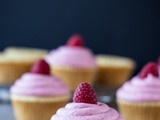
(32, 84)
(141, 90)
(72, 56)
(85, 111)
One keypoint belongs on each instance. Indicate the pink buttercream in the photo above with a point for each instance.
(32, 84)
(72, 57)
(85, 111)
(141, 90)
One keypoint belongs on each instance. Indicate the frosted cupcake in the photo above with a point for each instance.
(114, 70)
(86, 107)
(37, 95)
(14, 61)
(139, 99)
(73, 62)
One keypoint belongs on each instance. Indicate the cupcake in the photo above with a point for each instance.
(74, 63)
(14, 61)
(139, 98)
(25, 52)
(86, 107)
(113, 70)
(37, 95)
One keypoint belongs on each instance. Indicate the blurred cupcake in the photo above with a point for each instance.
(139, 99)
(86, 107)
(25, 52)
(14, 61)
(73, 62)
(37, 95)
(113, 70)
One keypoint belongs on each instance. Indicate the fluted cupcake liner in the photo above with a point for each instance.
(140, 111)
(14, 61)
(74, 76)
(10, 71)
(113, 77)
(37, 109)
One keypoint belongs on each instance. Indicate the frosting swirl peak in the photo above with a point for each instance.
(33, 84)
(78, 57)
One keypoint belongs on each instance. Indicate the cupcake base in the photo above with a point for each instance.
(37, 108)
(113, 77)
(15, 61)
(73, 77)
(10, 71)
(139, 111)
(114, 70)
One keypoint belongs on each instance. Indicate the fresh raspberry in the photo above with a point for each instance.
(76, 40)
(85, 94)
(41, 67)
(151, 68)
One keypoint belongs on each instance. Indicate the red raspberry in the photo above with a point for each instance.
(151, 68)
(76, 40)
(41, 67)
(85, 94)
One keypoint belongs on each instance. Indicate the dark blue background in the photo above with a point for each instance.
(124, 27)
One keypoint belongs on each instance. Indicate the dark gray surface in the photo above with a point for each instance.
(6, 112)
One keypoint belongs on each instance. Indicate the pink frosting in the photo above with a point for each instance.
(72, 57)
(141, 90)
(32, 84)
(85, 111)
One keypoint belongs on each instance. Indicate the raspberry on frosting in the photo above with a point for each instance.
(41, 67)
(76, 40)
(85, 94)
(150, 68)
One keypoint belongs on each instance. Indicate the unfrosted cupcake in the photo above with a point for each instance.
(14, 61)
(25, 52)
(114, 70)
(86, 107)
(37, 95)
(139, 99)
(74, 63)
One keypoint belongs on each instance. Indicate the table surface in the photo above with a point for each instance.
(6, 112)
